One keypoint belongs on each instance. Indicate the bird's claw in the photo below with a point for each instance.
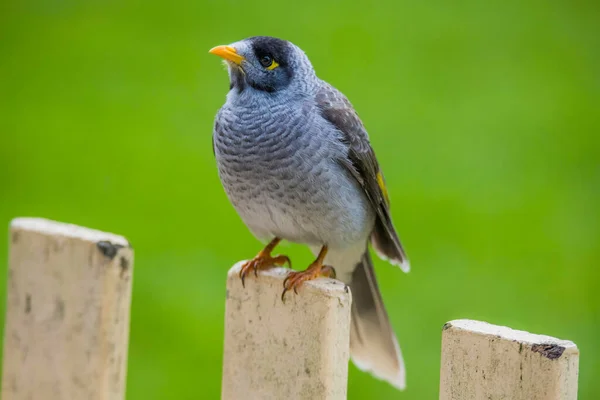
(295, 279)
(261, 262)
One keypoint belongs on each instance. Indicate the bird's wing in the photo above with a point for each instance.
(363, 165)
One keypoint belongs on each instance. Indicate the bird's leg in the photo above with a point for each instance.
(264, 260)
(316, 269)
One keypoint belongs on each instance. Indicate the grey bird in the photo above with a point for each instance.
(295, 161)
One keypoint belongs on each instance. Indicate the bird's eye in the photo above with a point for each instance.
(266, 61)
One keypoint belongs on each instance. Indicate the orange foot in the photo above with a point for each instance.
(263, 260)
(315, 270)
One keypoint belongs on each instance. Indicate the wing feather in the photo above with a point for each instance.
(363, 165)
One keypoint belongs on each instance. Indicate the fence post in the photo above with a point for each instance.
(293, 350)
(67, 314)
(483, 361)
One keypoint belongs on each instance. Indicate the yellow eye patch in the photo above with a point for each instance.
(273, 65)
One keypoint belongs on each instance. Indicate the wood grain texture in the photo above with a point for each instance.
(67, 317)
(293, 350)
(484, 361)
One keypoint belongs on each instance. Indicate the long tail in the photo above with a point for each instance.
(373, 344)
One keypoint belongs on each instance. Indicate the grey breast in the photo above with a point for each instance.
(277, 163)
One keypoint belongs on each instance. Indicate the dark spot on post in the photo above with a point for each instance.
(307, 371)
(59, 311)
(521, 369)
(550, 351)
(15, 237)
(108, 249)
(124, 263)
(447, 325)
(27, 303)
(520, 347)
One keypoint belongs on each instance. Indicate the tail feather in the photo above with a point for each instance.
(387, 245)
(373, 345)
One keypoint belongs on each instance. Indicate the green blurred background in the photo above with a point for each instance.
(485, 117)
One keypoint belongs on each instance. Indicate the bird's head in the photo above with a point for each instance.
(266, 64)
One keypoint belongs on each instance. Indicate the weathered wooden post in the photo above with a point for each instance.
(483, 361)
(293, 350)
(67, 315)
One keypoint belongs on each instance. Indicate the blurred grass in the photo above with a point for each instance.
(485, 118)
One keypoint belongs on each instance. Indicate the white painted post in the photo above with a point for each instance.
(67, 314)
(293, 350)
(483, 361)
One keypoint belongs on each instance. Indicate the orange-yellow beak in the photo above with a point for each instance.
(228, 53)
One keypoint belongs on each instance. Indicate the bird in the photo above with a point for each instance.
(296, 163)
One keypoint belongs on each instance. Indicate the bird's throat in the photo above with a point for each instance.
(237, 80)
